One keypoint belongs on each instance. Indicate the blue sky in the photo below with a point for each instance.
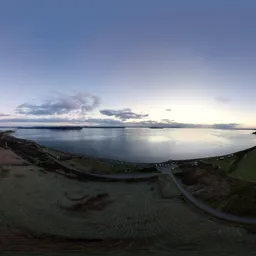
(134, 62)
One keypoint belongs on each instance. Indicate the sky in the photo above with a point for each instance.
(128, 62)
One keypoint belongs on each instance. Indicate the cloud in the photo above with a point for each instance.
(2, 114)
(168, 109)
(225, 126)
(167, 120)
(104, 122)
(123, 114)
(222, 99)
(62, 104)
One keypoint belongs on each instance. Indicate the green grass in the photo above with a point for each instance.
(98, 165)
(246, 169)
(101, 165)
(224, 164)
(240, 201)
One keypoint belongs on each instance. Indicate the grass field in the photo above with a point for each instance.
(98, 166)
(246, 168)
(224, 164)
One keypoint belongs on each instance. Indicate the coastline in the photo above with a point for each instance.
(87, 167)
(51, 158)
(48, 183)
(66, 154)
(148, 160)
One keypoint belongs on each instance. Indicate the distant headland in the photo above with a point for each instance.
(156, 127)
(53, 127)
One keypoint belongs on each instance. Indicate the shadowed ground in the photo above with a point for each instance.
(135, 214)
(47, 211)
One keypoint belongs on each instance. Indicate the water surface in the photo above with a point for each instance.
(143, 144)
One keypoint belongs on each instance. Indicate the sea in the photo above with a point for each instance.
(143, 145)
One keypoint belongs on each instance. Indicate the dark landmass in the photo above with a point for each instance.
(53, 127)
(105, 127)
(156, 127)
(244, 129)
(254, 132)
(123, 127)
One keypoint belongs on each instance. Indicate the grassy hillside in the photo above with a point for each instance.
(246, 168)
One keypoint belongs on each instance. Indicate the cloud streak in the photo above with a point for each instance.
(3, 115)
(80, 103)
(222, 99)
(167, 120)
(123, 114)
(225, 126)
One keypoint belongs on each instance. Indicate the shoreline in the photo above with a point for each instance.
(51, 158)
(94, 168)
(169, 161)
(107, 206)
(113, 127)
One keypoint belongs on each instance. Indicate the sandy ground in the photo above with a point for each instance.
(7, 157)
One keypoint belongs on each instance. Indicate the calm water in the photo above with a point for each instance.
(143, 144)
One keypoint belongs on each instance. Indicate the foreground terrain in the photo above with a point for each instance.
(226, 183)
(49, 205)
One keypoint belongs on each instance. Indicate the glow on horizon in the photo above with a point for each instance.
(130, 60)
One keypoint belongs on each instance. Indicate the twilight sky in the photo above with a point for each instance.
(107, 62)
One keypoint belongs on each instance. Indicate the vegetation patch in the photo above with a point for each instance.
(19, 175)
(222, 163)
(100, 166)
(220, 191)
(246, 168)
(4, 172)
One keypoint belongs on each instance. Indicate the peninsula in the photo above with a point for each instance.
(52, 127)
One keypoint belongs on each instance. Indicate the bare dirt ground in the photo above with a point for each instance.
(7, 157)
